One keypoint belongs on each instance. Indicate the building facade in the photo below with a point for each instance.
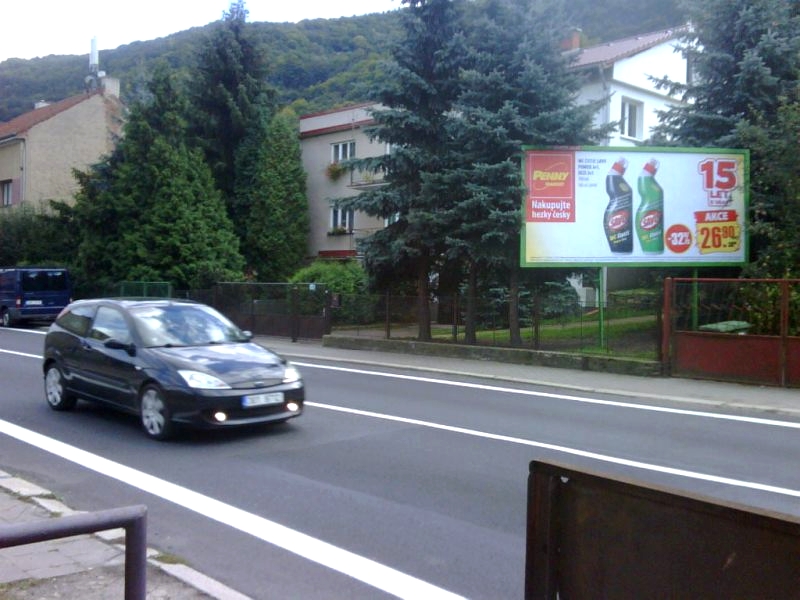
(39, 149)
(327, 139)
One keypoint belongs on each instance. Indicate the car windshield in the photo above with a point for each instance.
(184, 325)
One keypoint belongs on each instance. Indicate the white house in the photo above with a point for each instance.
(622, 70)
(619, 70)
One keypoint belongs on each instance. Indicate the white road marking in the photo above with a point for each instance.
(26, 355)
(567, 450)
(558, 396)
(363, 569)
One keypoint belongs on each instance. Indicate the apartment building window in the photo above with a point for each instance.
(343, 151)
(342, 220)
(631, 118)
(5, 191)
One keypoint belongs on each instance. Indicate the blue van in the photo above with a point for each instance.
(32, 294)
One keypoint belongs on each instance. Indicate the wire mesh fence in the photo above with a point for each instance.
(629, 326)
(755, 306)
(626, 324)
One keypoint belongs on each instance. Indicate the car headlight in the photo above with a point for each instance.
(290, 374)
(203, 381)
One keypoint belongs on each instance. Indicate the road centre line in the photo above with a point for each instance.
(566, 450)
(557, 396)
(348, 563)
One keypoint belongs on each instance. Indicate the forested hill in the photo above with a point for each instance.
(315, 64)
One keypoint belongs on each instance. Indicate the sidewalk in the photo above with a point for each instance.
(89, 567)
(92, 567)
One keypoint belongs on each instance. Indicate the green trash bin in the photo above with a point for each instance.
(740, 327)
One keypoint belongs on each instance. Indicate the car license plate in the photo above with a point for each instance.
(262, 399)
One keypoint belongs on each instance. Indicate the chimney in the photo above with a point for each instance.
(573, 41)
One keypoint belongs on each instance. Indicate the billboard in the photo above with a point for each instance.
(641, 206)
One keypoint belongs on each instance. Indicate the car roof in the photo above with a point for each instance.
(128, 303)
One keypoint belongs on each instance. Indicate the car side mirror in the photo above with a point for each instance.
(115, 344)
(247, 335)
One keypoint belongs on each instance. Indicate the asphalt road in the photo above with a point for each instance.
(393, 483)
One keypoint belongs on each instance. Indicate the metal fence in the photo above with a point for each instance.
(623, 325)
(626, 324)
(744, 330)
(755, 306)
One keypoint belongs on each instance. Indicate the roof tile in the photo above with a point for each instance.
(611, 52)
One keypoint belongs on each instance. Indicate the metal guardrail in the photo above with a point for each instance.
(132, 518)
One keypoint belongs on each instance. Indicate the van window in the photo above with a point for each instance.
(44, 281)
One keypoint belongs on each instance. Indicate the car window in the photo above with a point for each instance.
(110, 323)
(184, 325)
(76, 319)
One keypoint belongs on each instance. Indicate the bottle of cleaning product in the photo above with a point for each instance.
(650, 214)
(618, 217)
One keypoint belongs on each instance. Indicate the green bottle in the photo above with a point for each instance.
(650, 214)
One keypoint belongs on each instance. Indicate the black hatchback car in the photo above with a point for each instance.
(169, 362)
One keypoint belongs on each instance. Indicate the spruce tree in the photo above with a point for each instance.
(231, 104)
(517, 89)
(418, 96)
(745, 55)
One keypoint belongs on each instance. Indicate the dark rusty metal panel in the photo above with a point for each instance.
(793, 362)
(612, 538)
(745, 358)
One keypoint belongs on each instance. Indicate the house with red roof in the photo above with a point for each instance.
(39, 149)
(624, 71)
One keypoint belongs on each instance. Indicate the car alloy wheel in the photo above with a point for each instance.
(54, 392)
(6, 318)
(156, 419)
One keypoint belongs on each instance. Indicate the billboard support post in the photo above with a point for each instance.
(601, 290)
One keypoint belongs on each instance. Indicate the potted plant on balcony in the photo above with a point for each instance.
(335, 171)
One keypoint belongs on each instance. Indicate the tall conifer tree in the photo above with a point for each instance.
(745, 92)
(150, 211)
(232, 104)
(419, 95)
(518, 88)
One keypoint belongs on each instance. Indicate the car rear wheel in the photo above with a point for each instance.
(155, 414)
(5, 318)
(54, 391)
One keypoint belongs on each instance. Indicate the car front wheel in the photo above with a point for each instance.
(54, 391)
(155, 415)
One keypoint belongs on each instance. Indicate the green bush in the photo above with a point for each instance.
(346, 282)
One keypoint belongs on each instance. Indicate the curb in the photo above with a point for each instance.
(45, 499)
(516, 356)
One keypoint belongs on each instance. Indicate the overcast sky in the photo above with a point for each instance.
(34, 28)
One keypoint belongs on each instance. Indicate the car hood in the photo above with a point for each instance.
(239, 365)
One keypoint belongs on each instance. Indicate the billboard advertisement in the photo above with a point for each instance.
(641, 206)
